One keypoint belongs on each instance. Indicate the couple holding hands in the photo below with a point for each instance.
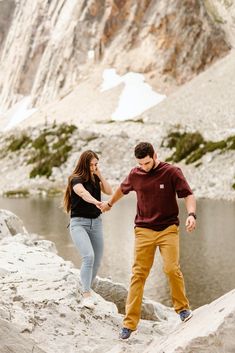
(157, 184)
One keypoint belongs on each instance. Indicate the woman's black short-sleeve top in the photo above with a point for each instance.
(81, 208)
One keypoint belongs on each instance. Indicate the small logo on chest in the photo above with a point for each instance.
(162, 186)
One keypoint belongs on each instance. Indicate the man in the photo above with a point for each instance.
(156, 225)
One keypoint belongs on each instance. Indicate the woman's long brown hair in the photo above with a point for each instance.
(82, 170)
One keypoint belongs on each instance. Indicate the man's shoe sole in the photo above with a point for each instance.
(187, 318)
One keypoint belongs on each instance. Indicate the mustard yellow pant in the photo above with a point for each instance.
(146, 243)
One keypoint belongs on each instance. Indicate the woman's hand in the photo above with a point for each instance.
(99, 205)
(105, 206)
(104, 185)
(97, 172)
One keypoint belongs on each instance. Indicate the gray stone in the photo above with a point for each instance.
(117, 293)
(210, 330)
(11, 341)
(10, 224)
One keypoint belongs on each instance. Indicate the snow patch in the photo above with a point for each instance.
(19, 112)
(136, 97)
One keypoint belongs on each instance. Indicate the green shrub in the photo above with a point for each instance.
(192, 147)
(50, 148)
(184, 144)
(187, 144)
(208, 147)
(231, 143)
(172, 139)
(40, 142)
(195, 155)
(41, 169)
(17, 143)
(212, 146)
(16, 193)
(47, 155)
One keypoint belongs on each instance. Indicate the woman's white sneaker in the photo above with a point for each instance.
(88, 302)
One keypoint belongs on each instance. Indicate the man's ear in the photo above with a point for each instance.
(155, 156)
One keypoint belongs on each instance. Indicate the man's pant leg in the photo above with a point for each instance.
(143, 259)
(168, 242)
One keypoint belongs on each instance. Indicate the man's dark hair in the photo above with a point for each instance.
(144, 149)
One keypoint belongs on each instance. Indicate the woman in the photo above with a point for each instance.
(82, 200)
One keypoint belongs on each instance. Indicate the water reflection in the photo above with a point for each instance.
(207, 255)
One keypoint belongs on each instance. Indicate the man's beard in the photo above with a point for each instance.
(153, 167)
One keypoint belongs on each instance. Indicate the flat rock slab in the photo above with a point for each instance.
(11, 341)
(211, 330)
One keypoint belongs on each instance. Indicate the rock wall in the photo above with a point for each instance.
(47, 47)
(6, 13)
(222, 12)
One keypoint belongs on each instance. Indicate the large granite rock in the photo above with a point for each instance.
(211, 330)
(11, 341)
(117, 293)
(10, 224)
(41, 295)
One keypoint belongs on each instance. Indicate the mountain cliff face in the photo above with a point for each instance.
(47, 45)
(222, 12)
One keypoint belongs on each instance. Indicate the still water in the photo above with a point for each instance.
(207, 255)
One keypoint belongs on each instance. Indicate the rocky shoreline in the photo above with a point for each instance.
(41, 306)
(41, 296)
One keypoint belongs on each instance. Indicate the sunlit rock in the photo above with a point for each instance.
(117, 293)
(210, 330)
(10, 224)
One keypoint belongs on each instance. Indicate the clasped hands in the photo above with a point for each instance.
(103, 206)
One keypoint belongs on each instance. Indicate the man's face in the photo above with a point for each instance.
(146, 163)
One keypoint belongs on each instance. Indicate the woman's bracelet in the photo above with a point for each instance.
(109, 204)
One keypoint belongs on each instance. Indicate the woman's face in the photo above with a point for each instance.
(93, 165)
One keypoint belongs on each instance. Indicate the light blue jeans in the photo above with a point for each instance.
(87, 235)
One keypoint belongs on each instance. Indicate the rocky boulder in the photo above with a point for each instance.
(211, 330)
(117, 293)
(13, 341)
(10, 224)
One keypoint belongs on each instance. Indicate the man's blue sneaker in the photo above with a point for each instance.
(125, 333)
(185, 315)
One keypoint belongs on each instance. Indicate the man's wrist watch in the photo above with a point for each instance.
(192, 214)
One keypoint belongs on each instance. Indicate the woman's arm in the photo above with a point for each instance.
(104, 185)
(85, 195)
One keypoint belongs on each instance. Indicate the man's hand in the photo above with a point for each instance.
(105, 207)
(190, 224)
